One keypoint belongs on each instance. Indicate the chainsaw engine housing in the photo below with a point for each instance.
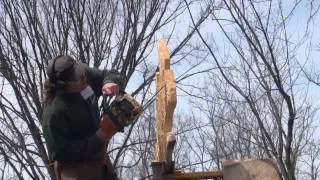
(126, 109)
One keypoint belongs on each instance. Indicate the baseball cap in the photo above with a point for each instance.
(65, 68)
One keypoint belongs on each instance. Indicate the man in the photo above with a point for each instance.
(75, 135)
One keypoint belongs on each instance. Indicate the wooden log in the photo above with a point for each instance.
(171, 99)
(163, 53)
(166, 100)
(198, 175)
(250, 169)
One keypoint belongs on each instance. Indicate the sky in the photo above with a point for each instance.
(296, 28)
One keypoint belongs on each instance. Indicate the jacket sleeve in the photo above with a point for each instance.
(65, 149)
(97, 78)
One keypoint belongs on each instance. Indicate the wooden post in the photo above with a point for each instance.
(166, 101)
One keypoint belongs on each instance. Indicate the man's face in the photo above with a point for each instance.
(77, 86)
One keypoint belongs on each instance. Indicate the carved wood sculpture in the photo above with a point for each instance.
(166, 101)
(163, 166)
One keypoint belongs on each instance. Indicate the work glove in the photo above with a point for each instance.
(107, 127)
(115, 119)
(110, 124)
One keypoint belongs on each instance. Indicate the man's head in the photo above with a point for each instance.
(64, 70)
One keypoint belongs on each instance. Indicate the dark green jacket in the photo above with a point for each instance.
(70, 122)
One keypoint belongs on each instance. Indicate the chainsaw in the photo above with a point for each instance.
(123, 110)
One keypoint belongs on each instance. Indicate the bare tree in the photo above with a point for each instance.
(259, 66)
(309, 69)
(310, 167)
(112, 34)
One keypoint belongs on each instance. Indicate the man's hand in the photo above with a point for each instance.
(110, 89)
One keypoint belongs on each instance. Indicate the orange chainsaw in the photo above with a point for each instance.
(123, 110)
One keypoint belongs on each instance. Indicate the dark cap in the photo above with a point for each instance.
(65, 68)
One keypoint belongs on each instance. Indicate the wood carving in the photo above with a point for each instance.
(166, 101)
